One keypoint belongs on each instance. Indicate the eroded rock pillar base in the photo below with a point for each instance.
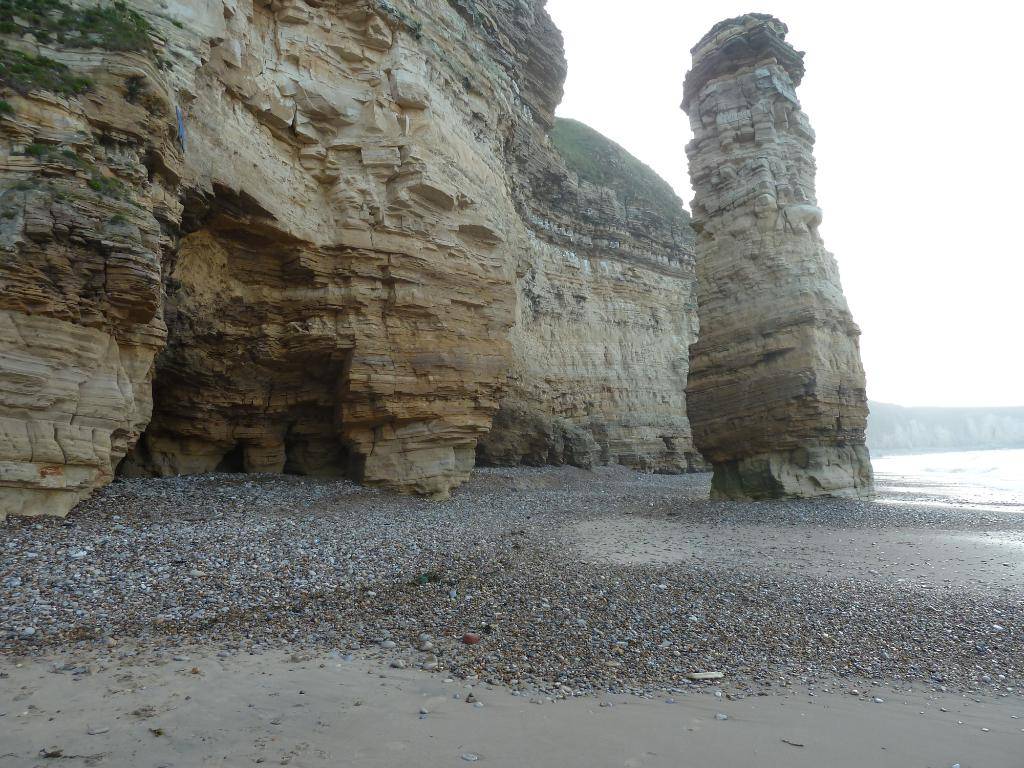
(843, 471)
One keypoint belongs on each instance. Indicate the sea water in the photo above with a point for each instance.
(991, 480)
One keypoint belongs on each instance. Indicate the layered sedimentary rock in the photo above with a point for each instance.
(327, 217)
(341, 297)
(80, 253)
(776, 387)
(605, 312)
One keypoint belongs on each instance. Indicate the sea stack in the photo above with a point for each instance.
(776, 388)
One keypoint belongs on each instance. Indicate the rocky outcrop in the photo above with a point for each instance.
(346, 229)
(341, 296)
(84, 165)
(605, 311)
(776, 387)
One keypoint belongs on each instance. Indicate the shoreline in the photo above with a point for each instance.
(582, 586)
(299, 709)
(264, 561)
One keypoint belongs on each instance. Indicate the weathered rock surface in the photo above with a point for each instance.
(336, 217)
(605, 312)
(80, 253)
(776, 387)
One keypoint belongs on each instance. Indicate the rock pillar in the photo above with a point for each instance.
(776, 387)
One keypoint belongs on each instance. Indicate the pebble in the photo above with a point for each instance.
(398, 664)
(326, 564)
(705, 675)
(721, 716)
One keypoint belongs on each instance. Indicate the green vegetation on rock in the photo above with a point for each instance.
(599, 160)
(114, 26)
(414, 27)
(24, 72)
(50, 153)
(107, 186)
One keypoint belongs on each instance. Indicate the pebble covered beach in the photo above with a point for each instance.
(563, 582)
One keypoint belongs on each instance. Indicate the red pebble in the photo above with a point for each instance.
(471, 638)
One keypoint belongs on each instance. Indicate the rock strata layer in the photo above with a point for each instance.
(776, 389)
(605, 311)
(316, 238)
(84, 173)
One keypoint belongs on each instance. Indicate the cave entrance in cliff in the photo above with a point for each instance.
(254, 370)
(232, 462)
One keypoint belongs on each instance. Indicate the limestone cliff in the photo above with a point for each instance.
(899, 429)
(85, 162)
(776, 387)
(333, 219)
(605, 313)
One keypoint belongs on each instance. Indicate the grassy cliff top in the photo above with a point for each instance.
(599, 160)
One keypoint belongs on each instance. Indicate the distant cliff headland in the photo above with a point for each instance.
(895, 429)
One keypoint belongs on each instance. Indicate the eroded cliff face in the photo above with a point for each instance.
(341, 299)
(332, 219)
(605, 313)
(83, 172)
(776, 387)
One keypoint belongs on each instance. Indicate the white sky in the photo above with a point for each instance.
(917, 110)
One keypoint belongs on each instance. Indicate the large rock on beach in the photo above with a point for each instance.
(776, 388)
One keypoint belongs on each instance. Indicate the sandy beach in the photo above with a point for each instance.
(316, 710)
(236, 620)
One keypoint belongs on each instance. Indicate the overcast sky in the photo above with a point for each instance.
(920, 172)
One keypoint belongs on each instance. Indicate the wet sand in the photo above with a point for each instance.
(318, 711)
(927, 558)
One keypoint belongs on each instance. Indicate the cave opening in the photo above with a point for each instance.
(233, 461)
(252, 375)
